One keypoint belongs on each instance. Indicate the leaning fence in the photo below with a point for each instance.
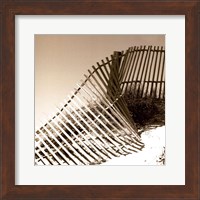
(93, 125)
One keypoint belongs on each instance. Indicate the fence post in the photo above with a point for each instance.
(114, 90)
(113, 83)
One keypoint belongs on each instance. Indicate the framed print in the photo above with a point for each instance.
(75, 148)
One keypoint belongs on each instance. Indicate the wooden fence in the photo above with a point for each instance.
(93, 125)
(143, 72)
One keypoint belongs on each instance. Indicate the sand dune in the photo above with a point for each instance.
(152, 154)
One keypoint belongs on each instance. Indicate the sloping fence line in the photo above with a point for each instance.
(94, 124)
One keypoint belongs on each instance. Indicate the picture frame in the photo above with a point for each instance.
(9, 9)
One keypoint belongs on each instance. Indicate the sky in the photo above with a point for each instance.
(62, 60)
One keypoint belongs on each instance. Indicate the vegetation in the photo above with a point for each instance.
(147, 112)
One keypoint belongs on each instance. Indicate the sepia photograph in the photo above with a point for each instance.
(99, 100)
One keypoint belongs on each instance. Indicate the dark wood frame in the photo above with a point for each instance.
(9, 9)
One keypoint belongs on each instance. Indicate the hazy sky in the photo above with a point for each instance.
(61, 61)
